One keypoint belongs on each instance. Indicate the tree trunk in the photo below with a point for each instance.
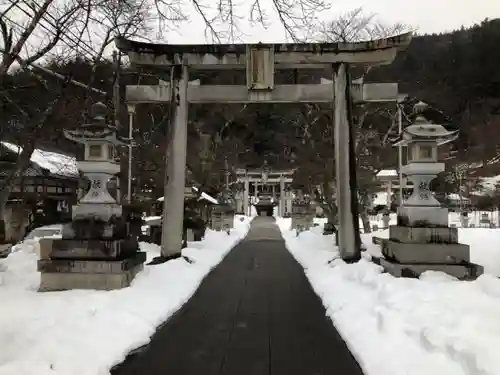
(329, 207)
(6, 185)
(331, 213)
(366, 221)
(364, 200)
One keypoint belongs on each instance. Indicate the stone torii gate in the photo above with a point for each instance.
(255, 177)
(260, 62)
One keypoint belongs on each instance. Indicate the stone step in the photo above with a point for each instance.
(468, 271)
(426, 253)
(55, 281)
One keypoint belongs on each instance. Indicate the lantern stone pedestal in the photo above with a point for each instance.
(99, 249)
(386, 219)
(422, 240)
(464, 219)
(302, 215)
(239, 203)
(222, 218)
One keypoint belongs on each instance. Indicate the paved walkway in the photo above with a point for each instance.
(254, 314)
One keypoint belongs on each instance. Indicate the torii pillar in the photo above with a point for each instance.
(246, 196)
(282, 196)
(260, 61)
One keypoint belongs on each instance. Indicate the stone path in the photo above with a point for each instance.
(255, 314)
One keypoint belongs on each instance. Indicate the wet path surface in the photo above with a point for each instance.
(254, 314)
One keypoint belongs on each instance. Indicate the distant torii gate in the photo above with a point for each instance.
(260, 62)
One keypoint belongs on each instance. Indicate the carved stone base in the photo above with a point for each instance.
(85, 230)
(386, 219)
(303, 221)
(423, 235)
(221, 221)
(64, 274)
(98, 281)
(102, 211)
(90, 266)
(468, 271)
(421, 216)
(229, 221)
(93, 249)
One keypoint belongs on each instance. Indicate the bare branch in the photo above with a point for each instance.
(16, 49)
(356, 26)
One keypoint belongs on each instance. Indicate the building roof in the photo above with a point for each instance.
(57, 164)
(387, 173)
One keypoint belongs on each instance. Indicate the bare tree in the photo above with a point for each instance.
(223, 18)
(356, 26)
(59, 30)
(353, 26)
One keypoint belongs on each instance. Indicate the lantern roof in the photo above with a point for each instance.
(425, 130)
(98, 129)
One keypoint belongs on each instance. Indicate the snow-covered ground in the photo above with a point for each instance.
(82, 332)
(394, 326)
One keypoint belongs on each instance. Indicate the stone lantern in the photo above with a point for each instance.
(422, 240)
(387, 176)
(98, 166)
(97, 250)
(302, 212)
(265, 172)
(239, 197)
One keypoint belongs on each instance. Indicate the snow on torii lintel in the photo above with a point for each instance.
(55, 163)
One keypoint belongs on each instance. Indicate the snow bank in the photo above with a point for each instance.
(394, 326)
(82, 332)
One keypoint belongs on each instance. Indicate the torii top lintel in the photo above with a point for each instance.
(228, 56)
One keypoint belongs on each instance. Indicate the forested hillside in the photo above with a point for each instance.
(458, 73)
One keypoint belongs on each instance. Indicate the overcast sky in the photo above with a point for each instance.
(426, 16)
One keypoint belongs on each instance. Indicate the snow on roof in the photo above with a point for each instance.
(380, 199)
(55, 163)
(387, 173)
(479, 164)
(208, 198)
(203, 196)
(487, 185)
(456, 197)
(147, 219)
